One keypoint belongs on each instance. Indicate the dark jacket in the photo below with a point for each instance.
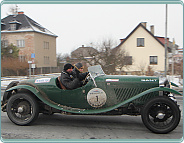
(69, 81)
(81, 76)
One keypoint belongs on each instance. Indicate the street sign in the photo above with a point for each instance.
(33, 55)
(33, 66)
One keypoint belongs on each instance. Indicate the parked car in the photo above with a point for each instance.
(102, 95)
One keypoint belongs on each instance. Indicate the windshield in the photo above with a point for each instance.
(96, 71)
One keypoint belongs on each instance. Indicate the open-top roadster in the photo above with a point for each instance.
(102, 95)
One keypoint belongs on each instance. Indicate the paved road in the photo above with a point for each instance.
(59, 126)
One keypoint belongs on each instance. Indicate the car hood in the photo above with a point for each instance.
(125, 78)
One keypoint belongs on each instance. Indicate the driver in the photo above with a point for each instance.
(78, 70)
(68, 79)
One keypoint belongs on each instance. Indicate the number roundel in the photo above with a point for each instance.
(96, 97)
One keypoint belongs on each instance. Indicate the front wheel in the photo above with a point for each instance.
(22, 109)
(161, 115)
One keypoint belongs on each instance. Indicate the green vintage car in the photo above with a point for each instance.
(102, 95)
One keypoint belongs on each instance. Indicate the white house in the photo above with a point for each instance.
(145, 49)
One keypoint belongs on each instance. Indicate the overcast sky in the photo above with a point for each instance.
(80, 24)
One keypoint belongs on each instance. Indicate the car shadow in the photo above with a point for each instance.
(92, 121)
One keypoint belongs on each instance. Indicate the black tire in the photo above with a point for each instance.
(161, 115)
(22, 109)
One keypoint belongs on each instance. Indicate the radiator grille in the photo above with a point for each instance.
(126, 93)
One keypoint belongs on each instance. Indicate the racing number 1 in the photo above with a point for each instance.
(97, 98)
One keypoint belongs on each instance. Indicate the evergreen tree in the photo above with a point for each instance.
(10, 51)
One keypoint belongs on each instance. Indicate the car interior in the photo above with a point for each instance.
(61, 86)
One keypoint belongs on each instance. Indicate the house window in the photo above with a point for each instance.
(22, 58)
(20, 43)
(46, 45)
(140, 42)
(4, 43)
(128, 60)
(13, 26)
(153, 60)
(46, 60)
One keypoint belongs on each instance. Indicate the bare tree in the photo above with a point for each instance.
(178, 68)
(123, 59)
(142, 66)
(150, 71)
(104, 54)
(62, 59)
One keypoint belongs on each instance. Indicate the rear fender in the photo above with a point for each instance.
(8, 93)
(29, 88)
(38, 93)
(43, 97)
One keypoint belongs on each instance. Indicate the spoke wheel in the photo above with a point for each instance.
(22, 109)
(161, 115)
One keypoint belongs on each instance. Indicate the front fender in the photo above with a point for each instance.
(152, 90)
(173, 84)
(135, 97)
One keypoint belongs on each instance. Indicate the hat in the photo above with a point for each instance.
(79, 65)
(68, 66)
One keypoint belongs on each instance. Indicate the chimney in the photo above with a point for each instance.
(152, 29)
(121, 40)
(20, 12)
(144, 24)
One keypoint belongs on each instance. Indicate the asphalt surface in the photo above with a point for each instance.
(59, 126)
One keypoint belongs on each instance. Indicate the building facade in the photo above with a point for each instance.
(85, 55)
(145, 49)
(35, 43)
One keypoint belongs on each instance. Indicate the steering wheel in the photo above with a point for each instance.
(87, 78)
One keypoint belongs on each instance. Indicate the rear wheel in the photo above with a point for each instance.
(22, 109)
(161, 115)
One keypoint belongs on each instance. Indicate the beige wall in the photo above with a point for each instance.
(34, 44)
(40, 52)
(141, 55)
(29, 42)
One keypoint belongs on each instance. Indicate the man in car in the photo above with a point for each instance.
(67, 77)
(78, 70)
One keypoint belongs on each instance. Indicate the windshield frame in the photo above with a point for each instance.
(96, 71)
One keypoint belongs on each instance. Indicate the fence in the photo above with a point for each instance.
(46, 70)
(25, 72)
